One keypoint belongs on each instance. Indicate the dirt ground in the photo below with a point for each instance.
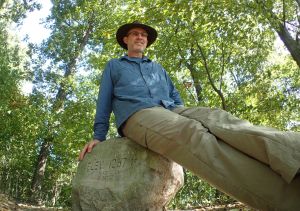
(7, 204)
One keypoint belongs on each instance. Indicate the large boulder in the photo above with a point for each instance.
(121, 175)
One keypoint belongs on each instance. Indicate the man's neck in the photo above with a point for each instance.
(135, 55)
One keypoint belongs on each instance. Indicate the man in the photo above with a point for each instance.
(256, 165)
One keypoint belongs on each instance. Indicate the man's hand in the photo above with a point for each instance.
(88, 148)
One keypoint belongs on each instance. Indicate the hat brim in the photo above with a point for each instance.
(124, 29)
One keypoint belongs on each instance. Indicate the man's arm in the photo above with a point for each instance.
(174, 94)
(103, 112)
(104, 105)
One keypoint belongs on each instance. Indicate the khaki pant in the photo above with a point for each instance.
(256, 165)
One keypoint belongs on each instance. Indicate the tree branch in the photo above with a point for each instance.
(223, 67)
(218, 91)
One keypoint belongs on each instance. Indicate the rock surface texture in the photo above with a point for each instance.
(122, 175)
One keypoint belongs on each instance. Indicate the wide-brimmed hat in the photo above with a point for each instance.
(124, 29)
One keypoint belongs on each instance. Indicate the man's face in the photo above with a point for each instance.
(136, 40)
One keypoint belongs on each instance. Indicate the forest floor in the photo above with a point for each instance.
(7, 204)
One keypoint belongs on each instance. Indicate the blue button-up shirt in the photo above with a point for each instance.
(129, 85)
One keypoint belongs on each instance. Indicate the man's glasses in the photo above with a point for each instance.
(136, 34)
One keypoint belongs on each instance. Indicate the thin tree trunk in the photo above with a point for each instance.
(60, 98)
(55, 193)
(193, 72)
(196, 82)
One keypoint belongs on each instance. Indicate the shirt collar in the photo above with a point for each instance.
(126, 57)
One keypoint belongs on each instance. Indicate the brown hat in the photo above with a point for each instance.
(124, 29)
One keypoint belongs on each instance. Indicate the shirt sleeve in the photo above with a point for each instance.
(174, 94)
(104, 105)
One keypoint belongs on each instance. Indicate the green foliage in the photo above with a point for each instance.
(197, 193)
(218, 53)
(17, 120)
(15, 10)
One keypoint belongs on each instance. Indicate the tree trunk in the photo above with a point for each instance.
(291, 44)
(60, 98)
(298, 2)
(36, 183)
(279, 26)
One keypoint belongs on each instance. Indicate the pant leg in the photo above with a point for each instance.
(188, 143)
(280, 150)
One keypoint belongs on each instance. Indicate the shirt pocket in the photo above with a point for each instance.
(159, 85)
(128, 78)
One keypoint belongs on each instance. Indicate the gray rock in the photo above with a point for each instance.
(121, 175)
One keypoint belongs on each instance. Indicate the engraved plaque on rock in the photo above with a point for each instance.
(121, 175)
